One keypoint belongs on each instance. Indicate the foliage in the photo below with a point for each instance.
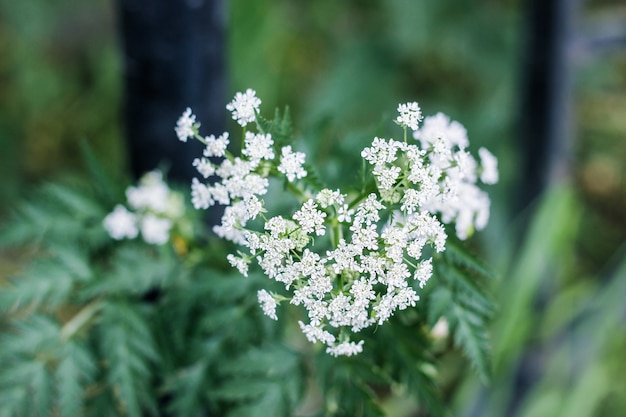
(96, 327)
(558, 339)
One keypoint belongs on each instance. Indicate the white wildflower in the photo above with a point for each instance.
(344, 214)
(244, 107)
(410, 115)
(489, 167)
(185, 125)
(346, 349)
(155, 230)
(216, 146)
(310, 218)
(204, 167)
(423, 272)
(328, 197)
(200, 195)
(151, 194)
(291, 164)
(121, 223)
(258, 146)
(314, 334)
(268, 304)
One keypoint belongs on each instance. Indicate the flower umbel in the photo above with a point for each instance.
(155, 207)
(244, 107)
(350, 260)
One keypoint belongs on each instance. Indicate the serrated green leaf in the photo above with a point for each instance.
(186, 389)
(75, 371)
(270, 402)
(457, 254)
(470, 335)
(130, 352)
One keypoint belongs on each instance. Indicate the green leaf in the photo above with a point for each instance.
(470, 334)
(130, 353)
(186, 390)
(75, 371)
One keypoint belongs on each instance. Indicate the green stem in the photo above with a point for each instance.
(72, 327)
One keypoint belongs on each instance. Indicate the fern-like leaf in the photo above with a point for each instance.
(130, 353)
(471, 335)
(75, 371)
(186, 390)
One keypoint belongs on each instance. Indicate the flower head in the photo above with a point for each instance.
(155, 230)
(410, 115)
(244, 107)
(121, 223)
(185, 125)
(291, 164)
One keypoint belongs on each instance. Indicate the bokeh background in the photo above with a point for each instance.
(342, 67)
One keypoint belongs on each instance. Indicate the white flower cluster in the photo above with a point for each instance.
(155, 209)
(238, 182)
(373, 259)
(454, 173)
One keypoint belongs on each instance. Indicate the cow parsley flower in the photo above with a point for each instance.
(151, 193)
(216, 146)
(410, 115)
(489, 167)
(380, 244)
(346, 349)
(204, 167)
(200, 195)
(121, 223)
(244, 107)
(155, 211)
(155, 230)
(291, 164)
(185, 125)
(268, 304)
(258, 146)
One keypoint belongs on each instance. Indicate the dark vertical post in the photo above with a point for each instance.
(174, 57)
(546, 105)
(546, 133)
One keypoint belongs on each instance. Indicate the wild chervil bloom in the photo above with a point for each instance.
(121, 223)
(291, 164)
(185, 125)
(489, 167)
(156, 209)
(244, 107)
(410, 115)
(350, 261)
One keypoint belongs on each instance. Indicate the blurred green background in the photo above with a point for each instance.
(342, 67)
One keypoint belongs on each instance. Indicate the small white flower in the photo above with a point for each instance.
(291, 164)
(200, 195)
(244, 107)
(344, 214)
(346, 349)
(216, 146)
(121, 223)
(258, 146)
(489, 167)
(410, 115)
(185, 125)
(238, 262)
(268, 304)
(151, 194)
(328, 197)
(314, 334)
(204, 167)
(155, 230)
(423, 272)
(310, 218)
(387, 177)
